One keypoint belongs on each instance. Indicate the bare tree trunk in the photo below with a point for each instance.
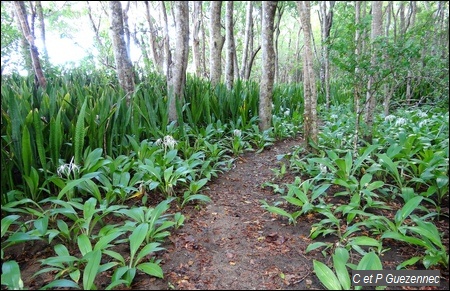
(309, 83)
(124, 67)
(280, 8)
(268, 67)
(409, 79)
(196, 21)
(167, 55)
(250, 64)
(298, 75)
(229, 38)
(387, 87)
(216, 42)
(376, 31)
(94, 27)
(126, 29)
(176, 80)
(155, 55)
(202, 31)
(22, 16)
(248, 34)
(357, 85)
(40, 14)
(326, 23)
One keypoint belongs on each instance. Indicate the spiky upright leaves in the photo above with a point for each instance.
(78, 141)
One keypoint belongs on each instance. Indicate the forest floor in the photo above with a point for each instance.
(233, 243)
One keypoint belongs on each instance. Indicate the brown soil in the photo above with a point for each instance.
(233, 243)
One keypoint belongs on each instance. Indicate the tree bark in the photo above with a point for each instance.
(216, 43)
(230, 53)
(326, 23)
(357, 84)
(177, 77)
(376, 31)
(22, 16)
(268, 67)
(124, 67)
(155, 54)
(247, 36)
(167, 54)
(309, 83)
(40, 14)
(280, 9)
(196, 21)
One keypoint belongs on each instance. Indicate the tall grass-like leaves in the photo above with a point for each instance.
(37, 123)
(78, 140)
(27, 154)
(56, 138)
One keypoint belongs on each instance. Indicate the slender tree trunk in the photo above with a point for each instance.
(202, 32)
(22, 16)
(40, 14)
(152, 39)
(376, 31)
(250, 64)
(229, 38)
(409, 79)
(126, 29)
(357, 84)
(216, 42)
(247, 35)
(387, 86)
(196, 21)
(124, 67)
(298, 75)
(309, 83)
(280, 10)
(177, 78)
(167, 55)
(268, 67)
(327, 21)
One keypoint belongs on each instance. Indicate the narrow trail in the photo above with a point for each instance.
(233, 243)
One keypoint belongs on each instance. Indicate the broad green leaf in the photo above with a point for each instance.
(21, 237)
(148, 249)
(364, 241)
(115, 255)
(401, 237)
(340, 259)
(407, 209)
(326, 276)
(11, 275)
(41, 225)
(84, 244)
(151, 269)
(74, 183)
(61, 283)
(88, 211)
(136, 239)
(91, 269)
(104, 241)
(7, 221)
(316, 245)
(319, 191)
(409, 262)
(370, 261)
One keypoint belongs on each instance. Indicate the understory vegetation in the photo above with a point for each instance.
(75, 157)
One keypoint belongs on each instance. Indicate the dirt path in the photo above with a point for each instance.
(233, 243)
